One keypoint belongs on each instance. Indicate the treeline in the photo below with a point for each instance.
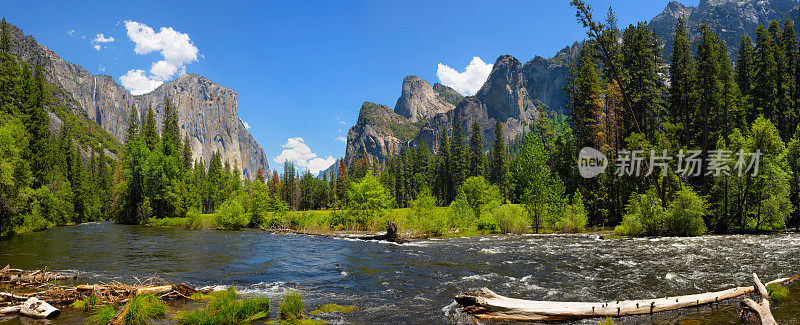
(44, 178)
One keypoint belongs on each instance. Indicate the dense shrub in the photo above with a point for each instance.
(511, 219)
(573, 219)
(480, 195)
(423, 217)
(462, 215)
(367, 201)
(231, 215)
(645, 217)
(685, 213)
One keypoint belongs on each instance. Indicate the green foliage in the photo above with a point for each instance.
(224, 307)
(777, 292)
(231, 215)
(685, 213)
(574, 219)
(142, 308)
(292, 307)
(541, 193)
(480, 195)
(367, 199)
(510, 219)
(646, 216)
(462, 215)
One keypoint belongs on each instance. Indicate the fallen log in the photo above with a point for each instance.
(761, 309)
(491, 306)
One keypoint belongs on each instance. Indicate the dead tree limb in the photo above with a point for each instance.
(761, 309)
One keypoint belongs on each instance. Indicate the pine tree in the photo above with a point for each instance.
(710, 87)
(744, 65)
(499, 161)
(443, 170)
(476, 155)
(169, 130)
(186, 154)
(644, 67)
(586, 96)
(149, 131)
(765, 77)
(458, 152)
(682, 83)
(133, 125)
(785, 111)
(8, 71)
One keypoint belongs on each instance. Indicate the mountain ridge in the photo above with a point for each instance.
(207, 112)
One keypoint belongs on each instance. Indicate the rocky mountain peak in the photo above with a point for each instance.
(419, 101)
(504, 92)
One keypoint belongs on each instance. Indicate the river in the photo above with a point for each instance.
(416, 282)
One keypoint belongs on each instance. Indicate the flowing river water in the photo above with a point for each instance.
(416, 282)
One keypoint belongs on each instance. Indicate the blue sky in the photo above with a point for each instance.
(302, 69)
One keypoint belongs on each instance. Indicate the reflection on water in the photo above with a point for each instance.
(415, 283)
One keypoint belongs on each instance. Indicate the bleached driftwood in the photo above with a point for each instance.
(761, 309)
(36, 308)
(489, 305)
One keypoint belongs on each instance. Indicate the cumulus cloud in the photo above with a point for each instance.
(176, 49)
(341, 138)
(467, 82)
(298, 152)
(138, 83)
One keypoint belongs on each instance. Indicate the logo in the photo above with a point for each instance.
(591, 162)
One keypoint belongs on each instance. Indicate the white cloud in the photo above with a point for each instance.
(100, 38)
(138, 83)
(298, 152)
(341, 138)
(175, 47)
(467, 82)
(246, 126)
(71, 32)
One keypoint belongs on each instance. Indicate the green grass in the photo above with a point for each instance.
(102, 315)
(224, 307)
(333, 308)
(200, 221)
(437, 222)
(87, 304)
(144, 307)
(292, 307)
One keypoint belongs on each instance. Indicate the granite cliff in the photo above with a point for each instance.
(207, 112)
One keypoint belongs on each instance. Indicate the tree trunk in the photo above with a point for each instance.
(489, 305)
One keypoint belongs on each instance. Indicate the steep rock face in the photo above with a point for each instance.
(419, 101)
(207, 112)
(504, 97)
(377, 134)
(728, 18)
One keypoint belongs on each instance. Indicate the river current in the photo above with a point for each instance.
(415, 282)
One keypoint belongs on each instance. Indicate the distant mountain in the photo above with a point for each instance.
(728, 18)
(512, 90)
(207, 112)
(422, 112)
